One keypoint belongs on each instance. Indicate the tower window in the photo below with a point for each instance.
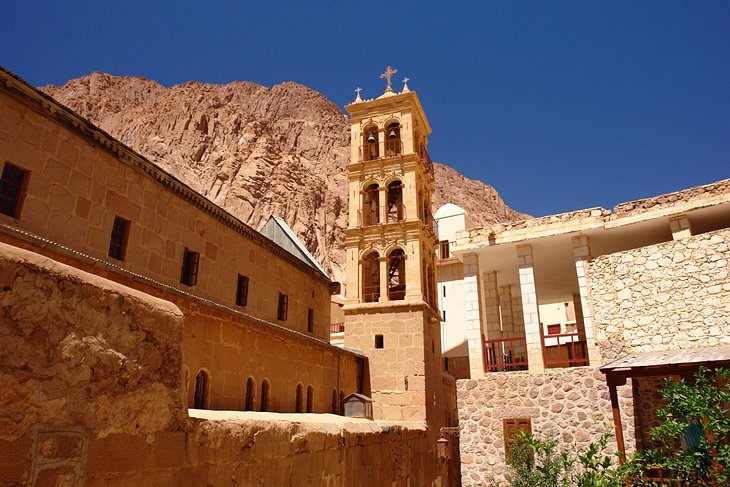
(393, 145)
(310, 320)
(242, 290)
(189, 275)
(12, 184)
(396, 275)
(371, 143)
(118, 241)
(379, 341)
(371, 278)
(283, 308)
(396, 208)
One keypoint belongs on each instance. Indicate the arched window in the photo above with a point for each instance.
(249, 403)
(396, 275)
(310, 398)
(202, 385)
(370, 143)
(370, 214)
(299, 405)
(265, 396)
(393, 145)
(396, 209)
(371, 277)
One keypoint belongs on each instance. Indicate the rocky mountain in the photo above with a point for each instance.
(254, 151)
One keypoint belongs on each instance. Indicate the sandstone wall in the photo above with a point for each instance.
(572, 404)
(672, 295)
(79, 181)
(93, 394)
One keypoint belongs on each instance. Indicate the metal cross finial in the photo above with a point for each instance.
(358, 90)
(389, 72)
(406, 80)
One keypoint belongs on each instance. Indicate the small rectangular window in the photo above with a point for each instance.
(118, 241)
(242, 290)
(310, 320)
(553, 329)
(444, 288)
(283, 309)
(379, 341)
(444, 315)
(189, 275)
(12, 185)
(444, 249)
(512, 426)
(446, 363)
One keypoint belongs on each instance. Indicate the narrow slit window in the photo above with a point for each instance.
(118, 241)
(310, 320)
(189, 275)
(379, 341)
(12, 184)
(283, 309)
(242, 290)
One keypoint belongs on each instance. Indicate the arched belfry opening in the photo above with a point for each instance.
(370, 143)
(396, 209)
(396, 275)
(370, 212)
(371, 277)
(393, 143)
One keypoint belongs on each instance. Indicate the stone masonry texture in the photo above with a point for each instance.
(673, 295)
(571, 404)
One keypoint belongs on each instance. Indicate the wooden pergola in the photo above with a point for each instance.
(665, 363)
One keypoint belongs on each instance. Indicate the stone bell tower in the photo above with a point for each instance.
(391, 307)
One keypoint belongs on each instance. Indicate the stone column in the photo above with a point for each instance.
(530, 309)
(383, 279)
(472, 316)
(505, 308)
(582, 254)
(680, 227)
(490, 291)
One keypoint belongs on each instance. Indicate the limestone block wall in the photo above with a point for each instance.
(80, 179)
(93, 395)
(672, 295)
(572, 404)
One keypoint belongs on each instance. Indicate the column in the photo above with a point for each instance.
(490, 291)
(505, 310)
(582, 254)
(473, 325)
(530, 310)
(680, 227)
(383, 279)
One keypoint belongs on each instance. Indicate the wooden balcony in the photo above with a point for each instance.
(505, 354)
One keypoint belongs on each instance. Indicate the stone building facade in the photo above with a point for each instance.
(593, 286)
(173, 342)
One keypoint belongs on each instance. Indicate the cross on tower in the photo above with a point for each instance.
(389, 72)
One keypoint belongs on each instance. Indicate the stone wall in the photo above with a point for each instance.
(80, 179)
(572, 404)
(93, 394)
(672, 295)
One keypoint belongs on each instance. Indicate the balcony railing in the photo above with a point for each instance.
(370, 294)
(564, 349)
(505, 354)
(371, 152)
(393, 213)
(337, 328)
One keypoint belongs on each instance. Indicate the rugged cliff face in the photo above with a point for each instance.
(253, 150)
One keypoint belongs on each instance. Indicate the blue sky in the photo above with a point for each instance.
(559, 105)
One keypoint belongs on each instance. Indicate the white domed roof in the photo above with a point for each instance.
(449, 209)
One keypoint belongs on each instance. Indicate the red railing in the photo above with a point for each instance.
(505, 354)
(564, 349)
(337, 328)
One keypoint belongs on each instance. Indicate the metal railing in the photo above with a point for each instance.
(393, 213)
(371, 152)
(370, 294)
(505, 354)
(337, 328)
(564, 349)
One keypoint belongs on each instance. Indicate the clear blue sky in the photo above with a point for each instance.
(559, 105)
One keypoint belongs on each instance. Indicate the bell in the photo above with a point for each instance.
(392, 134)
(371, 138)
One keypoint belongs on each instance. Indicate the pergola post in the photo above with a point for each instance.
(614, 382)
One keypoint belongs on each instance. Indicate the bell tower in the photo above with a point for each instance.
(391, 306)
